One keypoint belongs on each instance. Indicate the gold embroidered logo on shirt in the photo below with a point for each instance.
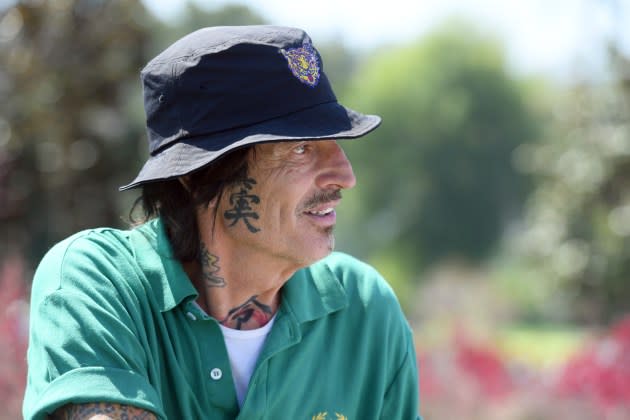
(324, 416)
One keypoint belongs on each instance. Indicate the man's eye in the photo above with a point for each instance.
(300, 150)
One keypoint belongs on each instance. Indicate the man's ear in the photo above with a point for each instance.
(212, 203)
(185, 181)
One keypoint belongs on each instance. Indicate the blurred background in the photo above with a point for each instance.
(495, 197)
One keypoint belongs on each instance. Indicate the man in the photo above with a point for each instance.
(226, 302)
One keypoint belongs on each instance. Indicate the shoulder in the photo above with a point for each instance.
(371, 308)
(90, 245)
(358, 278)
(91, 259)
(88, 241)
(368, 295)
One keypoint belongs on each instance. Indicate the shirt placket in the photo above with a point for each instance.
(285, 333)
(216, 373)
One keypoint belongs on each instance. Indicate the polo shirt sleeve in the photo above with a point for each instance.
(401, 397)
(85, 344)
(389, 335)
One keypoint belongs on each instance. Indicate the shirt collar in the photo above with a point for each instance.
(314, 292)
(170, 283)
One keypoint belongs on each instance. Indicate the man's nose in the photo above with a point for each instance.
(337, 171)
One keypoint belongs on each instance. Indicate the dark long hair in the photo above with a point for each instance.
(177, 204)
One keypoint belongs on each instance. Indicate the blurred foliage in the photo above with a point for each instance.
(577, 226)
(436, 180)
(67, 72)
(473, 380)
(13, 335)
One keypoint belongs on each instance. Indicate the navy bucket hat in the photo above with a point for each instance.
(222, 88)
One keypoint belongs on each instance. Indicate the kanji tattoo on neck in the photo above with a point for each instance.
(210, 268)
(241, 203)
(251, 310)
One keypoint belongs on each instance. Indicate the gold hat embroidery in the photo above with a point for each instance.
(304, 63)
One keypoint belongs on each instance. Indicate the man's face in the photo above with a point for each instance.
(286, 209)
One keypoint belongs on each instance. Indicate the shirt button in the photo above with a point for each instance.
(191, 316)
(216, 374)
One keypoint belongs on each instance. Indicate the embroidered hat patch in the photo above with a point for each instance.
(303, 63)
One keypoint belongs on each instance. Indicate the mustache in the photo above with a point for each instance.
(321, 198)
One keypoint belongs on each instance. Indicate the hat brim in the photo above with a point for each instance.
(321, 122)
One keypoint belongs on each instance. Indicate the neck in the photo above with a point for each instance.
(240, 289)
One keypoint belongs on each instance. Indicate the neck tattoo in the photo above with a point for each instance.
(210, 268)
(252, 312)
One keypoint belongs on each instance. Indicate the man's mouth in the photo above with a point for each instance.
(323, 212)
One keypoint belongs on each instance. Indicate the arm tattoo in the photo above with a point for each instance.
(241, 203)
(210, 268)
(101, 411)
(242, 314)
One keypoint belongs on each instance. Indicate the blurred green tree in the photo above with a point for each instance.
(577, 230)
(339, 62)
(436, 180)
(68, 70)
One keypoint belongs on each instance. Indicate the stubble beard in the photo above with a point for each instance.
(331, 237)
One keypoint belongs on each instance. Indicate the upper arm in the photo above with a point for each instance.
(86, 339)
(401, 400)
(101, 411)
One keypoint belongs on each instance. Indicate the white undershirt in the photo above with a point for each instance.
(243, 347)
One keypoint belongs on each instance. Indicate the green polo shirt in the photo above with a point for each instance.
(113, 320)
